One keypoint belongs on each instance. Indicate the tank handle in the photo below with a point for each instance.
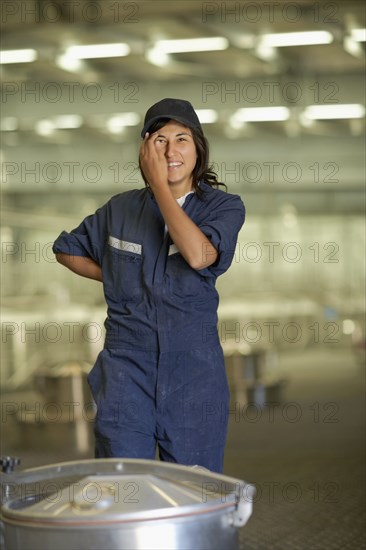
(244, 505)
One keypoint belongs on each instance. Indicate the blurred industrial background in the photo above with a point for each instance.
(279, 88)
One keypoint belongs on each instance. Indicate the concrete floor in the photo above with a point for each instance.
(308, 459)
(305, 454)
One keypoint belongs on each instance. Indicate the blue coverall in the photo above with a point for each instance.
(160, 378)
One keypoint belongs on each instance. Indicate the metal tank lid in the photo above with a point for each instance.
(114, 491)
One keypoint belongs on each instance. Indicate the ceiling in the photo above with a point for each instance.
(223, 76)
(50, 26)
(242, 75)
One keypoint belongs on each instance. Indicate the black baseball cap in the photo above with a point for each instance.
(171, 109)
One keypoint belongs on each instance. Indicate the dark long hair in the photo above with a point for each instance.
(202, 170)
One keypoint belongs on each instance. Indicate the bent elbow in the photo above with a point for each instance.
(197, 265)
(201, 263)
(61, 257)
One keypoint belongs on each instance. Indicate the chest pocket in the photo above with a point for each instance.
(122, 270)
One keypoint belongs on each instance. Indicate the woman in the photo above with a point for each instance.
(160, 379)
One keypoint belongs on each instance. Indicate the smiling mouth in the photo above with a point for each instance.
(174, 164)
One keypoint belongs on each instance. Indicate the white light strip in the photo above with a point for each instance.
(94, 51)
(67, 121)
(157, 57)
(18, 56)
(359, 35)
(306, 38)
(261, 114)
(116, 123)
(324, 112)
(69, 63)
(44, 127)
(353, 47)
(125, 119)
(47, 126)
(9, 124)
(207, 116)
(192, 45)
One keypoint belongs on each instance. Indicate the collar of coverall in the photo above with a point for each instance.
(206, 188)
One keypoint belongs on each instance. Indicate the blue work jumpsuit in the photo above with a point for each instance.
(160, 379)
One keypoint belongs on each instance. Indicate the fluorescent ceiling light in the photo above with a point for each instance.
(18, 56)
(267, 53)
(353, 47)
(348, 326)
(67, 121)
(47, 126)
(44, 127)
(306, 38)
(116, 123)
(207, 116)
(261, 114)
(158, 57)
(235, 123)
(69, 63)
(94, 51)
(9, 124)
(159, 54)
(192, 45)
(324, 112)
(359, 35)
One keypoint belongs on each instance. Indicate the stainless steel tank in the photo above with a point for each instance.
(123, 504)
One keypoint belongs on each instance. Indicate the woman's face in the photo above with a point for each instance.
(176, 141)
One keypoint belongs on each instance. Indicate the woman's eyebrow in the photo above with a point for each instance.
(176, 135)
